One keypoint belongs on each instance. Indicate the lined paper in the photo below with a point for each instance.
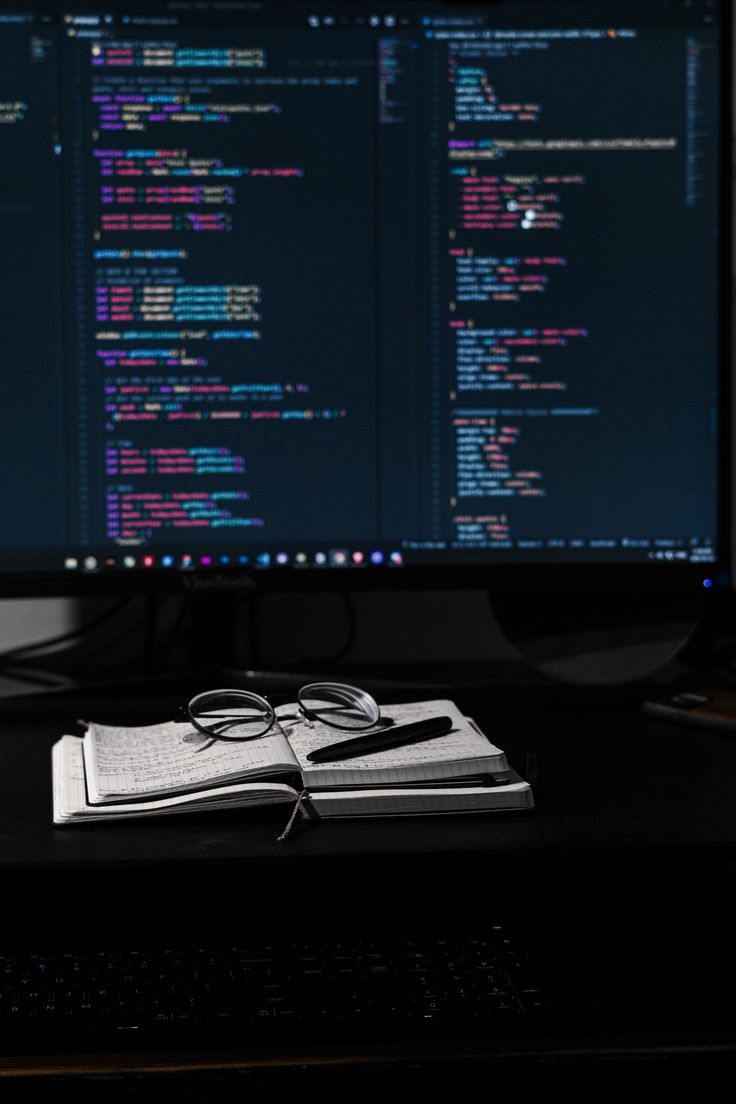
(70, 797)
(173, 758)
(458, 753)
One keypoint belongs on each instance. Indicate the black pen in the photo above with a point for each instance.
(381, 741)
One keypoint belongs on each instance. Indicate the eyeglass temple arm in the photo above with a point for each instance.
(382, 722)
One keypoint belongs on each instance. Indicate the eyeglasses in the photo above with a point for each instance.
(239, 715)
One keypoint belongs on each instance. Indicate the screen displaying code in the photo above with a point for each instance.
(419, 284)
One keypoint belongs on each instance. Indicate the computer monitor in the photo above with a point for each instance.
(407, 294)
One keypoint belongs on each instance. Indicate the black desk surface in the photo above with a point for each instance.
(607, 780)
(628, 855)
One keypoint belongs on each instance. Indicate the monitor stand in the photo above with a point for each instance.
(590, 638)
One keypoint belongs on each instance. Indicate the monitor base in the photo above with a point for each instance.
(592, 638)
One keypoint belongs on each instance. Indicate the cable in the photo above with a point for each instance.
(114, 641)
(38, 678)
(149, 646)
(28, 650)
(352, 632)
(165, 647)
(75, 661)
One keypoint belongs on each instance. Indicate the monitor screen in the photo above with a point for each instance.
(393, 292)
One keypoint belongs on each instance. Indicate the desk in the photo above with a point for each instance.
(626, 861)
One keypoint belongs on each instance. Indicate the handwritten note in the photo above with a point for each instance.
(173, 758)
(70, 798)
(443, 757)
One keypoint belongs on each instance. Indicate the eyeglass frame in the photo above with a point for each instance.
(305, 714)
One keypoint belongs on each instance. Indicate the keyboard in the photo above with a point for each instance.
(267, 993)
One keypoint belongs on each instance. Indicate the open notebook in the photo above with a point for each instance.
(114, 772)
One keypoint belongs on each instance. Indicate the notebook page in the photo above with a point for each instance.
(129, 763)
(463, 750)
(70, 798)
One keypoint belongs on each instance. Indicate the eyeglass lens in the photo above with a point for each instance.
(231, 714)
(339, 705)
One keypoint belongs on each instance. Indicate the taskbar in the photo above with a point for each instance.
(400, 554)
